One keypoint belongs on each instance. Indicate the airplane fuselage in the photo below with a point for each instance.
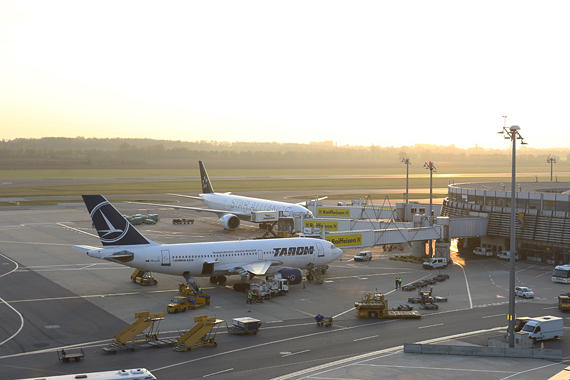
(240, 204)
(224, 258)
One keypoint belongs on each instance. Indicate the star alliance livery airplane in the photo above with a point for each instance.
(282, 258)
(231, 209)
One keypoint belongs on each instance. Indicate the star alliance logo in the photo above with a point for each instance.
(113, 232)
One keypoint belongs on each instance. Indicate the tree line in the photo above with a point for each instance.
(102, 152)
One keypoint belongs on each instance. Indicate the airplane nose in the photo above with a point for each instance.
(338, 252)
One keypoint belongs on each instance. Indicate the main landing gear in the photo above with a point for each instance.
(218, 280)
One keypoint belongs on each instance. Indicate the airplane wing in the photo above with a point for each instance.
(185, 196)
(305, 202)
(219, 213)
(258, 268)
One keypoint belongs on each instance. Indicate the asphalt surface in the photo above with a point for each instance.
(54, 297)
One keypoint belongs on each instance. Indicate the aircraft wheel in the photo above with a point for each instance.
(213, 279)
(238, 287)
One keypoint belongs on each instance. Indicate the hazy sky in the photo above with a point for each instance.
(388, 73)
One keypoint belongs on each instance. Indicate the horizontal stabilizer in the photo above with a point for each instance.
(85, 248)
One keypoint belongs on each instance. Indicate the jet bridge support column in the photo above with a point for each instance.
(419, 248)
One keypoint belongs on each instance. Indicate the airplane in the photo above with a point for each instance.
(281, 258)
(231, 209)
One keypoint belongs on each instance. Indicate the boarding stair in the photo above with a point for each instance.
(201, 334)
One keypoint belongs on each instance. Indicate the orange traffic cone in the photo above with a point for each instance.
(249, 311)
(303, 286)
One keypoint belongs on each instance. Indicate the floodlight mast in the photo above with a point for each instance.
(513, 134)
(430, 165)
(408, 163)
(552, 160)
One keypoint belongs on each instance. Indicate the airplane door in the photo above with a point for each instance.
(260, 254)
(165, 258)
(321, 250)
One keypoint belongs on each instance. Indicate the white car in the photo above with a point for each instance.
(524, 292)
(506, 255)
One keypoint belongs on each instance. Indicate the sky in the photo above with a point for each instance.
(388, 73)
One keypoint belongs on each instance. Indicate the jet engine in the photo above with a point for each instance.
(230, 222)
(294, 275)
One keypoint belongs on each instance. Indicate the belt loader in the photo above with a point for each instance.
(375, 305)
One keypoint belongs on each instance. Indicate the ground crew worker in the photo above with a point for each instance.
(249, 296)
(400, 282)
(397, 282)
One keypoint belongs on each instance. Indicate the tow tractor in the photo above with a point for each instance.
(188, 299)
(375, 305)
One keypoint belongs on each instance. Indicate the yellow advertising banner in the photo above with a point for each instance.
(342, 212)
(345, 240)
(329, 226)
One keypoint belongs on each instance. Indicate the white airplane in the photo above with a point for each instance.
(282, 258)
(231, 209)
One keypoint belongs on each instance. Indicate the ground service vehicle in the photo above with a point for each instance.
(128, 374)
(543, 328)
(506, 255)
(520, 322)
(363, 255)
(564, 302)
(324, 321)
(64, 356)
(524, 292)
(244, 325)
(182, 303)
(374, 305)
(561, 274)
(480, 251)
(435, 262)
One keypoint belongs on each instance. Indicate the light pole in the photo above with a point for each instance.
(430, 165)
(550, 159)
(512, 134)
(408, 163)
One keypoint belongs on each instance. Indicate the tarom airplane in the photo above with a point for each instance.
(231, 209)
(282, 258)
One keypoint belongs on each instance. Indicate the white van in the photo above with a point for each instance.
(363, 255)
(435, 262)
(543, 328)
(480, 251)
(506, 255)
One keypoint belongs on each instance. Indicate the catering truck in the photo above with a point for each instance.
(543, 328)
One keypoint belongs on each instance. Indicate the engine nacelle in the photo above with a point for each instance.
(294, 275)
(230, 222)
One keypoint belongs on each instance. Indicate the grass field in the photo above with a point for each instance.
(265, 180)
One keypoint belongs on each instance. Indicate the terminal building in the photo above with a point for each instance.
(542, 224)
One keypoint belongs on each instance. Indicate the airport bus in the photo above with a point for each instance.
(130, 374)
(561, 274)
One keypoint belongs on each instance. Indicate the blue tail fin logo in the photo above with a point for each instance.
(112, 227)
(206, 185)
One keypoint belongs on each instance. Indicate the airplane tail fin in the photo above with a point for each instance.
(111, 225)
(206, 185)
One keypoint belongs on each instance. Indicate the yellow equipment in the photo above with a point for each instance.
(144, 320)
(564, 302)
(188, 299)
(520, 322)
(143, 277)
(201, 334)
(374, 305)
